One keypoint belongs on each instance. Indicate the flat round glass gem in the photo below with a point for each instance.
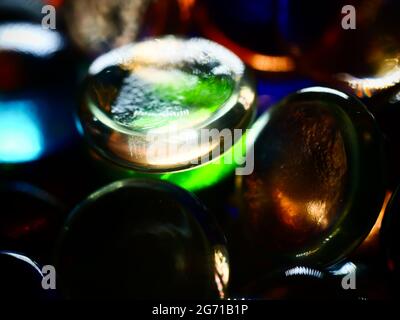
(149, 105)
(317, 186)
(142, 239)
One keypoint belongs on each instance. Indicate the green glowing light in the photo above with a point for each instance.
(201, 97)
(147, 104)
(169, 98)
(20, 135)
(203, 176)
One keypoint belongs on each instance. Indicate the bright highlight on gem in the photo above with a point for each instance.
(148, 104)
(30, 39)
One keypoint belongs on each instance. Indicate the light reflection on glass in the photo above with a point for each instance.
(221, 270)
(347, 268)
(326, 90)
(148, 104)
(257, 61)
(24, 259)
(293, 211)
(30, 39)
(303, 271)
(387, 77)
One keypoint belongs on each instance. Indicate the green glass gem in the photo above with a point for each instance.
(148, 105)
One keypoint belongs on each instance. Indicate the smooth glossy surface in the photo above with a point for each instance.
(373, 67)
(142, 239)
(317, 187)
(147, 105)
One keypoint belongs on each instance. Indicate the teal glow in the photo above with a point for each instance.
(20, 133)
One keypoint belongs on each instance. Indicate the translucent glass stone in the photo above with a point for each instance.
(164, 91)
(142, 239)
(344, 281)
(317, 186)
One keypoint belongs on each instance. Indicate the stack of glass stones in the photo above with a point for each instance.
(169, 105)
